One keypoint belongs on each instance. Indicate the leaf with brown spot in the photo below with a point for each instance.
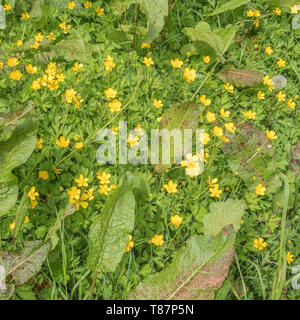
(242, 156)
(196, 272)
(240, 77)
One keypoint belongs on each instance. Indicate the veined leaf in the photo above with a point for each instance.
(27, 263)
(183, 116)
(196, 272)
(222, 214)
(240, 77)
(229, 6)
(243, 157)
(202, 32)
(14, 152)
(109, 232)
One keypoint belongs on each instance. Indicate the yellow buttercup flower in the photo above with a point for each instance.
(259, 243)
(204, 138)
(63, 142)
(250, 13)
(51, 36)
(230, 127)
(145, 45)
(100, 11)
(267, 80)
(1, 65)
(103, 177)
(38, 37)
(71, 5)
(78, 145)
(130, 244)
(77, 67)
(31, 69)
(256, 23)
(132, 140)
(206, 59)
(82, 181)
(177, 63)
(157, 103)
(171, 187)
(109, 63)
(280, 96)
(189, 74)
(277, 11)
(256, 13)
(204, 101)
(260, 190)
(148, 61)
(281, 63)
(158, 240)
(229, 87)
(19, 43)
(218, 132)
(291, 103)
(44, 175)
(12, 226)
(88, 4)
(39, 143)
(215, 191)
(294, 9)
(224, 114)
(7, 7)
(289, 257)
(12, 62)
(269, 50)
(115, 105)
(176, 220)
(25, 16)
(270, 134)
(261, 95)
(210, 116)
(249, 115)
(110, 93)
(35, 45)
(32, 194)
(74, 193)
(16, 75)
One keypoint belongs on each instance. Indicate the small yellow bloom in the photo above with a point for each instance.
(35, 45)
(280, 96)
(249, 115)
(7, 7)
(204, 138)
(294, 9)
(31, 69)
(81, 181)
(176, 220)
(63, 142)
(145, 45)
(277, 11)
(115, 105)
(230, 127)
(148, 61)
(260, 190)
(259, 243)
(267, 80)
(12, 62)
(78, 145)
(39, 143)
(291, 103)
(71, 5)
(171, 187)
(204, 101)
(88, 4)
(109, 63)
(281, 63)
(25, 16)
(51, 36)
(157, 103)
(229, 87)
(256, 23)
(16, 75)
(206, 59)
(218, 132)
(215, 191)
(261, 95)
(12, 226)
(130, 244)
(132, 140)
(26, 220)
(210, 116)
(250, 13)
(110, 93)
(43, 175)
(32, 194)
(189, 74)
(74, 193)
(270, 134)
(103, 177)
(19, 43)
(224, 114)
(177, 63)
(269, 50)
(256, 13)
(38, 37)
(289, 257)
(77, 67)
(158, 240)
(100, 11)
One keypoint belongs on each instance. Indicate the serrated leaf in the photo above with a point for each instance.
(52, 234)
(244, 158)
(184, 116)
(229, 6)
(196, 272)
(222, 214)
(240, 77)
(27, 263)
(109, 231)
(202, 32)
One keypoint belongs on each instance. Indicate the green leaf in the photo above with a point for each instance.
(196, 272)
(184, 116)
(27, 263)
(52, 234)
(240, 77)
(14, 152)
(283, 3)
(222, 214)
(227, 36)
(202, 32)
(243, 157)
(229, 6)
(109, 231)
